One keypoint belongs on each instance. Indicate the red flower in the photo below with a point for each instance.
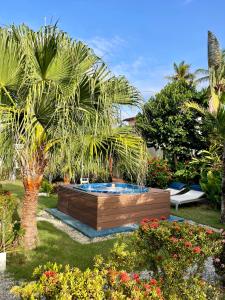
(197, 250)
(188, 244)
(136, 277)
(158, 291)
(124, 277)
(144, 221)
(147, 286)
(162, 218)
(154, 220)
(209, 231)
(154, 225)
(50, 274)
(153, 281)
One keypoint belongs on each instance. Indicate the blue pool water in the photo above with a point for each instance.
(113, 188)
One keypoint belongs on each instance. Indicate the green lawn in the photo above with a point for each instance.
(200, 213)
(54, 245)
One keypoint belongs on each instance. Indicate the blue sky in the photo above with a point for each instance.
(139, 39)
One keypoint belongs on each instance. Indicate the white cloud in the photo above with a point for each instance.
(144, 73)
(105, 47)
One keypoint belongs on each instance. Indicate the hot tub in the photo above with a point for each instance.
(113, 188)
(108, 205)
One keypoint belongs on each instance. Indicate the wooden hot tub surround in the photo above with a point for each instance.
(101, 210)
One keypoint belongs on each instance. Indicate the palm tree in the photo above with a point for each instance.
(182, 72)
(50, 87)
(215, 113)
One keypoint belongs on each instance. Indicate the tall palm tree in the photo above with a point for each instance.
(182, 72)
(50, 86)
(216, 108)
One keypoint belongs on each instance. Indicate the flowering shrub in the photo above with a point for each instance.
(52, 281)
(175, 253)
(158, 174)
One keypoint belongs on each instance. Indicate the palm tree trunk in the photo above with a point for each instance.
(29, 210)
(223, 188)
(66, 178)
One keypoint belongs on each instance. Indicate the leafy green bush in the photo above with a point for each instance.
(158, 173)
(186, 172)
(9, 228)
(210, 165)
(211, 184)
(175, 253)
(46, 186)
(52, 281)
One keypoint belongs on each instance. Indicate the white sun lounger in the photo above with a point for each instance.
(190, 196)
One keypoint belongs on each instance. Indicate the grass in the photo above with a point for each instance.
(57, 246)
(54, 245)
(200, 213)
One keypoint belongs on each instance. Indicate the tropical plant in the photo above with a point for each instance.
(50, 88)
(182, 72)
(158, 173)
(208, 164)
(215, 114)
(166, 125)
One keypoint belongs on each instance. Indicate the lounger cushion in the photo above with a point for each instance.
(177, 185)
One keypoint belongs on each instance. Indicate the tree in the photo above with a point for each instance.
(165, 124)
(50, 88)
(182, 72)
(215, 113)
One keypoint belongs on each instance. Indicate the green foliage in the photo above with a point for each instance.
(9, 227)
(52, 281)
(211, 184)
(176, 253)
(186, 172)
(209, 165)
(46, 187)
(158, 173)
(166, 124)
